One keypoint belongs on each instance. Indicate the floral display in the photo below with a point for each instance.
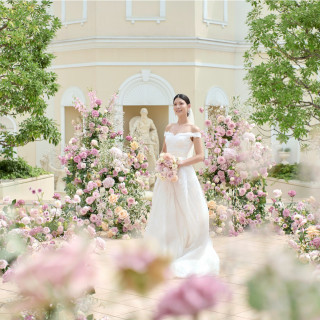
(167, 167)
(301, 220)
(193, 296)
(106, 178)
(234, 173)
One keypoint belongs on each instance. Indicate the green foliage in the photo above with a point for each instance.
(292, 172)
(283, 64)
(18, 168)
(284, 171)
(26, 30)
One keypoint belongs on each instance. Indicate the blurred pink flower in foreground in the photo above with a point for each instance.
(192, 296)
(49, 277)
(140, 267)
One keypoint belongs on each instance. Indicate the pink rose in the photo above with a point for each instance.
(250, 196)
(98, 102)
(95, 113)
(201, 109)
(77, 159)
(242, 191)
(286, 213)
(221, 160)
(90, 200)
(192, 296)
(208, 123)
(292, 193)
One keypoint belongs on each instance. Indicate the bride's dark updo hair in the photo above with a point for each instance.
(184, 98)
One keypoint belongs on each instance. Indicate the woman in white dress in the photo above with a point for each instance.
(179, 219)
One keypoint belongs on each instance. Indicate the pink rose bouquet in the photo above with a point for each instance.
(167, 167)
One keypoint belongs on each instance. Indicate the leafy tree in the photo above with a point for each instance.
(26, 29)
(283, 65)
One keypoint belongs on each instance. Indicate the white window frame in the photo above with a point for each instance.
(209, 21)
(158, 19)
(84, 13)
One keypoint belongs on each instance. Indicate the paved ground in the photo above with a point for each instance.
(239, 257)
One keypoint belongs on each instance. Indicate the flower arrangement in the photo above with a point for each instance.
(300, 220)
(235, 171)
(34, 226)
(57, 293)
(28, 228)
(105, 179)
(167, 167)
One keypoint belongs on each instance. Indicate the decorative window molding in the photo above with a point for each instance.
(216, 97)
(145, 88)
(158, 19)
(209, 21)
(84, 14)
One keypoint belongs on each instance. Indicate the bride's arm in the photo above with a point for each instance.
(164, 146)
(198, 157)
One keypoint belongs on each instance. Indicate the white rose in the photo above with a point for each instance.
(57, 204)
(94, 143)
(277, 193)
(3, 264)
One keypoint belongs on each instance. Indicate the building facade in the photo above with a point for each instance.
(147, 51)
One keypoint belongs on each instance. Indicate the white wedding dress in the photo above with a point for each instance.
(179, 219)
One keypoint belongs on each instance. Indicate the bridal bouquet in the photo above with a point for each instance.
(167, 167)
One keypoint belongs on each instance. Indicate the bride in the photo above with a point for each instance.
(179, 219)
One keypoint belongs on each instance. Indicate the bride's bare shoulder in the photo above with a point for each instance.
(169, 126)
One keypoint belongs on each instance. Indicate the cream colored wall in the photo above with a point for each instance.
(97, 41)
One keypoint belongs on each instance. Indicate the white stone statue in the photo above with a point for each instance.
(58, 173)
(143, 128)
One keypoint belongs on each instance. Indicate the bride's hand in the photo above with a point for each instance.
(180, 163)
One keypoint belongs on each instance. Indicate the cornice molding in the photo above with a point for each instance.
(144, 64)
(148, 42)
